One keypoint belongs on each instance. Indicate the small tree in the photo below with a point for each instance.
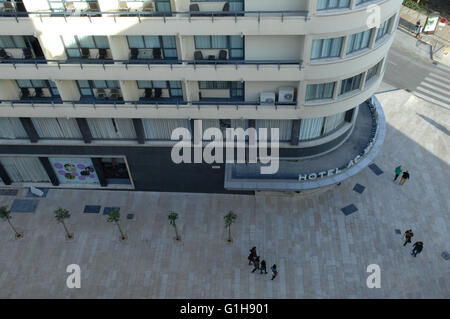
(229, 220)
(61, 214)
(172, 218)
(114, 217)
(5, 214)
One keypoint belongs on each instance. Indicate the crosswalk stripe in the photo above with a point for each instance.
(441, 72)
(435, 88)
(444, 98)
(443, 67)
(429, 99)
(437, 82)
(440, 78)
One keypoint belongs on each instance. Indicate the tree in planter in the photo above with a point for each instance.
(5, 214)
(61, 214)
(229, 220)
(172, 218)
(114, 217)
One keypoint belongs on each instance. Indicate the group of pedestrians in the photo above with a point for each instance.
(399, 171)
(417, 246)
(253, 258)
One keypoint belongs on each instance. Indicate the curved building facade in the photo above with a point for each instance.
(91, 91)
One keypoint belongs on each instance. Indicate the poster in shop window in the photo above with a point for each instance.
(74, 170)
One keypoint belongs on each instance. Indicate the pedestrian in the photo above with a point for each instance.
(255, 264)
(398, 171)
(418, 246)
(263, 267)
(405, 176)
(252, 255)
(274, 272)
(418, 27)
(408, 235)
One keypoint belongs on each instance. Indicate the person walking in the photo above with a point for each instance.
(263, 267)
(418, 246)
(408, 235)
(252, 255)
(274, 272)
(398, 172)
(256, 264)
(405, 176)
(418, 27)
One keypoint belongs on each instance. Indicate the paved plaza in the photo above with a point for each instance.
(320, 251)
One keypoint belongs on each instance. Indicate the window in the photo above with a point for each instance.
(40, 84)
(358, 2)
(358, 41)
(74, 44)
(61, 5)
(383, 29)
(11, 128)
(24, 169)
(326, 48)
(234, 43)
(332, 4)
(86, 87)
(112, 129)
(350, 84)
(372, 72)
(319, 91)
(167, 44)
(115, 170)
(174, 87)
(236, 89)
(161, 129)
(56, 128)
(13, 42)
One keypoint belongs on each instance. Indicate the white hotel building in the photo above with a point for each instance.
(90, 91)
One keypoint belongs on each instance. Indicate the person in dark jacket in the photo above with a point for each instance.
(418, 246)
(256, 264)
(263, 267)
(405, 176)
(252, 255)
(274, 272)
(408, 235)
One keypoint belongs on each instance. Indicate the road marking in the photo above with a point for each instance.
(434, 88)
(429, 99)
(443, 67)
(437, 82)
(392, 63)
(445, 98)
(441, 72)
(439, 77)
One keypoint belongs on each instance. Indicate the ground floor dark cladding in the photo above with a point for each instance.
(148, 168)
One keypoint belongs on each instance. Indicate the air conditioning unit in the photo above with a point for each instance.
(267, 98)
(286, 95)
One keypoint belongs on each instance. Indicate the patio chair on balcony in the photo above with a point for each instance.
(157, 54)
(93, 6)
(148, 94)
(223, 54)
(115, 94)
(123, 6)
(158, 93)
(24, 93)
(198, 55)
(193, 9)
(8, 7)
(226, 8)
(27, 53)
(85, 53)
(70, 7)
(148, 6)
(101, 94)
(134, 53)
(102, 53)
(38, 92)
(4, 54)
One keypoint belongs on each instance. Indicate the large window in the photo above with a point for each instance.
(234, 43)
(161, 129)
(74, 170)
(56, 128)
(372, 71)
(350, 84)
(12, 128)
(46, 87)
(382, 31)
(115, 170)
(319, 91)
(112, 129)
(358, 2)
(75, 44)
(326, 48)
(20, 47)
(174, 88)
(236, 88)
(167, 45)
(358, 41)
(87, 86)
(316, 127)
(13, 42)
(332, 4)
(25, 169)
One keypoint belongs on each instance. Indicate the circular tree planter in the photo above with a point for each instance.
(177, 239)
(123, 238)
(18, 235)
(70, 236)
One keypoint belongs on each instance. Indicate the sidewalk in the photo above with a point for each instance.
(439, 41)
(320, 252)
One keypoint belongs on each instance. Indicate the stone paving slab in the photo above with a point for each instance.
(320, 252)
